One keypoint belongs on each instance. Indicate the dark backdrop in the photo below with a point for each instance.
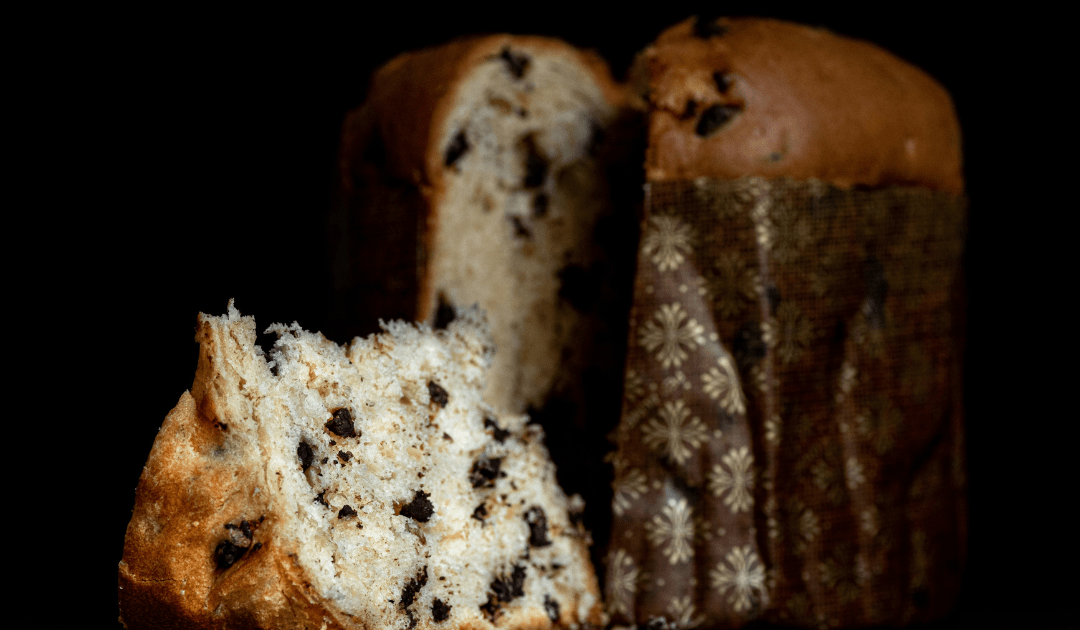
(200, 150)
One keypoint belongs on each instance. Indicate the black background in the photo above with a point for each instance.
(190, 158)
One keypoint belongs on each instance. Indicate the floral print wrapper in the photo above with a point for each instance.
(791, 444)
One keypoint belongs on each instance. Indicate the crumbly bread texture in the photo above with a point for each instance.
(738, 97)
(367, 487)
(477, 173)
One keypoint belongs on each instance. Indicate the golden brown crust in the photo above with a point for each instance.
(410, 99)
(806, 103)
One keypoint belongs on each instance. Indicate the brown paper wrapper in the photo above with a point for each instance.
(791, 443)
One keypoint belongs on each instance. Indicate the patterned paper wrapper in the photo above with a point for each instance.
(791, 440)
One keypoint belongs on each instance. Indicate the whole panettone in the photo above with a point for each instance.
(791, 445)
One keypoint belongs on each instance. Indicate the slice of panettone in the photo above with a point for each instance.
(318, 486)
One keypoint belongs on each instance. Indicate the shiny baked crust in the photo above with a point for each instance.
(786, 100)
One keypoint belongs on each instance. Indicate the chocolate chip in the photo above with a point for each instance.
(412, 587)
(690, 111)
(319, 498)
(440, 611)
(722, 82)
(506, 588)
(552, 608)
(713, 118)
(706, 27)
(346, 511)
(517, 63)
(245, 528)
(438, 394)
(446, 436)
(412, 620)
(304, 452)
(344, 455)
(226, 554)
(537, 527)
(498, 433)
(457, 147)
(480, 513)
(333, 442)
(256, 547)
(579, 286)
(484, 471)
(490, 608)
(520, 230)
(420, 508)
(444, 314)
(536, 166)
(341, 424)
(324, 460)
(540, 205)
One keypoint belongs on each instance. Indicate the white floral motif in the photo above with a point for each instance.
(744, 576)
(667, 242)
(737, 482)
(671, 335)
(682, 611)
(628, 488)
(772, 429)
(795, 331)
(674, 531)
(672, 433)
(855, 476)
(723, 384)
(622, 578)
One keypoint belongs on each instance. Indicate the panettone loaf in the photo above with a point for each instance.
(477, 173)
(791, 442)
(368, 487)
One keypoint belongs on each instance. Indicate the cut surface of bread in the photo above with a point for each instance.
(506, 141)
(317, 486)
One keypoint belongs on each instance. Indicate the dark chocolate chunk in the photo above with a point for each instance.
(420, 508)
(552, 608)
(579, 286)
(540, 205)
(536, 166)
(506, 588)
(517, 63)
(457, 147)
(324, 460)
(498, 432)
(346, 511)
(304, 452)
(440, 611)
(438, 394)
(714, 118)
(537, 521)
(226, 554)
(319, 498)
(333, 442)
(257, 546)
(706, 27)
(245, 528)
(444, 314)
(341, 424)
(344, 455)
(446, 436)
(480, 513)
(484, 471)
(722, 82)
(520, 230)
(691, 109)
(490, 608)
(412, 587)
(412, 620)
